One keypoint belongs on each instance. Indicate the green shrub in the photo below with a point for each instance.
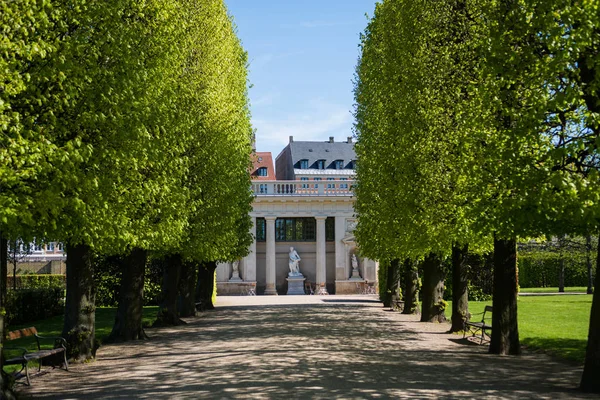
(539, 269)
(37, 281)
(27, 305)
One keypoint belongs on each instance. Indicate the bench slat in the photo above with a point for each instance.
(21, 333)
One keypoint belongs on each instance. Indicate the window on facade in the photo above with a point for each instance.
(38, 247)
(50, 246)
(339, 164)
(331, 185)
(303, 164)
(262, 171)
(320, 164)
(304, 185)
(262, 188)
(316, 184)
(343, 185)
(59, 246)
(261, 230)
(330, 229)
(295, 230)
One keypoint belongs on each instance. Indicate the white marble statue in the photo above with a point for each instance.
(354, 262)
(355, 273)
(294, 263)
(236, 267)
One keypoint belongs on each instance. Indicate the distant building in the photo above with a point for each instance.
(309, 206)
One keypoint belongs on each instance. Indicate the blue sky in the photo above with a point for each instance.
(302, 56)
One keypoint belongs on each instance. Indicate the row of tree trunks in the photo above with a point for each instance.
(5, 390)
(433, 290)
(168, 314)
(394, 284)
(411, 287)
(206, 285)
(460, 295)
(590, 381)
(80, 305)
(505, 335)
(187, 289)
(128, 321)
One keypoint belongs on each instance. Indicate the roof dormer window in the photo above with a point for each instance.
(303, 164)
(262, 171)
(339, 164)
(320, 164)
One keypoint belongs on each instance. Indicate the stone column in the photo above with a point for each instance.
(270, 256)
(340, 249)
(321, 256)
(249, 268)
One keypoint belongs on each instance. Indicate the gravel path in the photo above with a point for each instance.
(306, 347)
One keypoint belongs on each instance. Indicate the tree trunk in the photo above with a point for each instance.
(561, 266)
(505, 331)
(128, 322)
(80, 306)
(411, 288)
(205, 286)
(588, 253)
(590, 381)
(167, 313)
(460, 295)
(433, 304)
(5, 390)
(394, 283)
(187, 289)
(387, 298)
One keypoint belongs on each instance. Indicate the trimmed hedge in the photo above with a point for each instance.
(542, 269)
(29, 305)
(37, 281)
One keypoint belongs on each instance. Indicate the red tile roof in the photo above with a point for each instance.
(262, 159)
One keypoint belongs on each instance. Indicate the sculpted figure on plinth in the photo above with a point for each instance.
(294, 263)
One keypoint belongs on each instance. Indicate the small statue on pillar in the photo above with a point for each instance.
(235, 275)
(355, 273)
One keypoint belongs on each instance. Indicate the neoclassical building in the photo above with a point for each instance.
(309, 206)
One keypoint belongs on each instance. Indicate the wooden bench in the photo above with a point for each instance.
(60, 346)
(479, 326)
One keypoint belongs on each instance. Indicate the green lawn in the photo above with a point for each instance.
(557, 325)
(575, 289)
(105, 318)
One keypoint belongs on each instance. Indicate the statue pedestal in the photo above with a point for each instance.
(355, 276)
(235, 277)
(295, 285)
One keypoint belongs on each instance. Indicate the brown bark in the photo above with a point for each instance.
(460, 295)
(411, 288)
(590, 381)
(394, 283)
(205, 286)
(5, 390)
(167, 313)
(187, 289)
(433, 304)
(80, 306)
(505, 331)
(128, 321)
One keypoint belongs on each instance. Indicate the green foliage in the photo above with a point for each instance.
(37, 281)
(539, 269)
(32, 304)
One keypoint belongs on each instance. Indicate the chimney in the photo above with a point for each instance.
(330, 139)
(291, 139)
(349, 139)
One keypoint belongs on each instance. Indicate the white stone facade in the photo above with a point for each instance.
(325, 264)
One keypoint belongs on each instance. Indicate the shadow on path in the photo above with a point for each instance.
(331, 349)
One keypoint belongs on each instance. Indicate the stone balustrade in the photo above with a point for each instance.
(303, 188)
